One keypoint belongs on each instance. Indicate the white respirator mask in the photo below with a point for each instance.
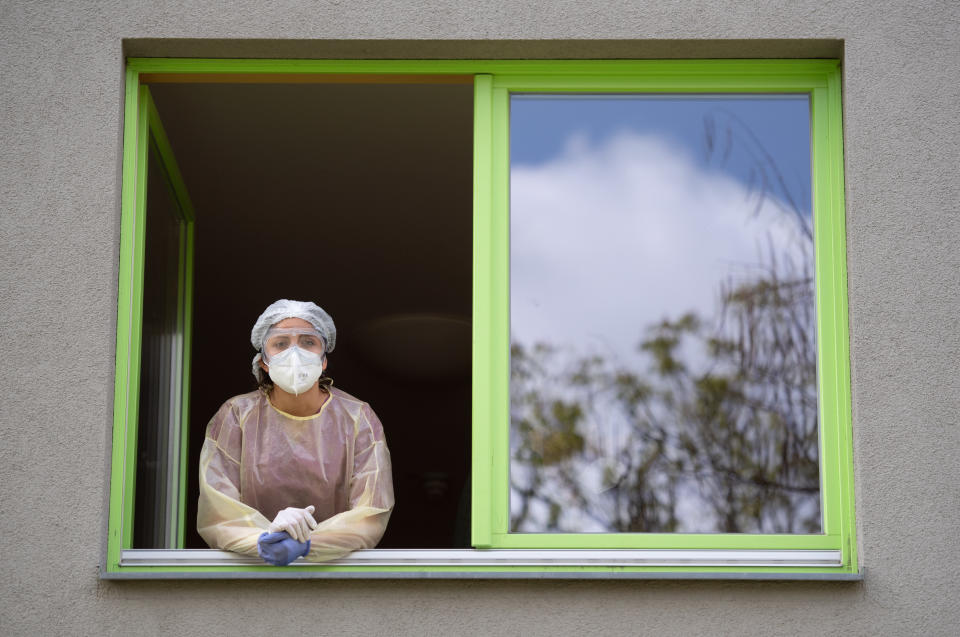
(295, 370)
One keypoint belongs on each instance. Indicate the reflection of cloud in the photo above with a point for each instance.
(608, 239)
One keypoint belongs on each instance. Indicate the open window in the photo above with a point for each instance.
(600, 307)
(158, 387)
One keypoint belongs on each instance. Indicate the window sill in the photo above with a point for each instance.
(494, 563)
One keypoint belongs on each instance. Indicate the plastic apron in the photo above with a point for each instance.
(257, 460)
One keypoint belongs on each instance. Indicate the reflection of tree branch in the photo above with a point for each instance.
(528, 494)
(596, 442)
(750, 451)
(732, 475)
(763, 161)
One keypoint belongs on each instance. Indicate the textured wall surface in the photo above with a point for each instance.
(61, 65)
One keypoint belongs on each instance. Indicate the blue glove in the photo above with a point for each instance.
(280, 549)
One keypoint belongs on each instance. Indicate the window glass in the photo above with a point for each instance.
(663, 354)
(158, 511)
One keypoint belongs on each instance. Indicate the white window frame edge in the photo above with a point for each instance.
(506, 557)
(564, 563)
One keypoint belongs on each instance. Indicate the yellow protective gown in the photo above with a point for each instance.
(257, 460)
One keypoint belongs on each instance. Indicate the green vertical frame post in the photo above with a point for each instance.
(500, 314)
(832, 316)
(129, 320)
(483, 298)
(834, 216)
(187, 332)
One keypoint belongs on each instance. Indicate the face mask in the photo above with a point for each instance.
(295, 370)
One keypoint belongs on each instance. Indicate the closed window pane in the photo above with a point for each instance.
(663, 353)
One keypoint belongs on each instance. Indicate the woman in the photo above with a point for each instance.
(295, 451)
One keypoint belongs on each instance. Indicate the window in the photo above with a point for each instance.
(157, 337)
(720, 445)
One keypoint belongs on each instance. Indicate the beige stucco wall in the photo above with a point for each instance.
(61, 72)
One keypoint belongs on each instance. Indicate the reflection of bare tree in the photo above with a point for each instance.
(726, 445)
(765, 179)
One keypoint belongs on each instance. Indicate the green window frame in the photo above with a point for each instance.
(831, 554)
(144, 134)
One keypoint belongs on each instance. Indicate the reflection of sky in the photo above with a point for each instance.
(622, 214)
(541, 126)
(620, 217)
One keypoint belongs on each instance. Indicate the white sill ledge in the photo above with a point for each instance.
(503, 557)
(506, 563)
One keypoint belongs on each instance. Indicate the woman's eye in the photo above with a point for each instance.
(309, 342)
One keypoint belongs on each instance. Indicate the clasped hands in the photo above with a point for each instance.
(287, 537)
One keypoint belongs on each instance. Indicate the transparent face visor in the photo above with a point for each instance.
(280, 339)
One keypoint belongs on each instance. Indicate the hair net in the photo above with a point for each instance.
(284, 309)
